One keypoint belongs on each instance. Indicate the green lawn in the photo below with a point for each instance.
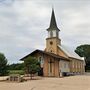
(21, 72)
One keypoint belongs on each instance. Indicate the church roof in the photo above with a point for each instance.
(53, 24)
(46, 53)
(69, 52)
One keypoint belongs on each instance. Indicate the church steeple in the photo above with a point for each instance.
(53, 30)
(52, 41)
(53, 24)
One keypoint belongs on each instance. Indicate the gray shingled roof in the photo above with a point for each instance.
(69, 52)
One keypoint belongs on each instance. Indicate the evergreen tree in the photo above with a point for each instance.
(3, 65)
(32, 65)
(84, 51)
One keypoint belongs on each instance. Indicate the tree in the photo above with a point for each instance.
(84, 51)
(32, 65)
(16, 66)
(3, 65)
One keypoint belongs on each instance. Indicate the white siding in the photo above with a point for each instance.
(64, 66)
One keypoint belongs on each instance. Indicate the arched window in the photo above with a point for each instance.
(41, 60)
(48, 34)
(51, 34)
(51, 51)
(57, 34)
(54, 33)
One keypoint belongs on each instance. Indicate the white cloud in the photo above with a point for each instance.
(23, 24)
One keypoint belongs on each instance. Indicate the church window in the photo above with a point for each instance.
(41, 60)
(65, 65)
(73, 64)
(51, 34)
(61, 65)
(54, 33)
(81, 65)
(51, 42)
(51, 50)
(57, 34)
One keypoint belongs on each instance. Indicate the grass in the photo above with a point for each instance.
(21, 72)
(87, 70)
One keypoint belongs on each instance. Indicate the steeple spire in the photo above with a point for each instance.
(53, 24)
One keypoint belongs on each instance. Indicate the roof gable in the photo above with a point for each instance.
(69, 52)
(46, 53)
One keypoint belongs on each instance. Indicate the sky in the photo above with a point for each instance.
(23, 25)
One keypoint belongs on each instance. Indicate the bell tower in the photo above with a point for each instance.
(52, 41)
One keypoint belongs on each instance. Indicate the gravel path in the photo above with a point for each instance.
(67, 83)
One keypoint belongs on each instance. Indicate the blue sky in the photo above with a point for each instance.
(23, 25)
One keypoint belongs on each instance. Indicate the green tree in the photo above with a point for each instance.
(16, 66)
(32, 65)
(3, 65)
(84, 51)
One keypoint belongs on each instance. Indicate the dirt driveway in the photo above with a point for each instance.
(67, 83)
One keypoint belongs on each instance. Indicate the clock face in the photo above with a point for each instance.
(51, 42)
